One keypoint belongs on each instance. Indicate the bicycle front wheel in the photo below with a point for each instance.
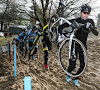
(76, 65)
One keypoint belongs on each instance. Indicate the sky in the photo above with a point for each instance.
(96, 10)
(95, 4)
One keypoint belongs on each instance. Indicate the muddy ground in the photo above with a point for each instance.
(54, 78)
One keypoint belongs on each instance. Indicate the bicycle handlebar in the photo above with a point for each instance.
(75, 25)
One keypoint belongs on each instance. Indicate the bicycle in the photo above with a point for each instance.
(67, 52)
(68, 49)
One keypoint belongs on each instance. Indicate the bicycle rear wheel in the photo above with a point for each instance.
(75, 62)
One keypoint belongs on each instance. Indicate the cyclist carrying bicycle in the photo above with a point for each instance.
(82, 35)
(31, 37)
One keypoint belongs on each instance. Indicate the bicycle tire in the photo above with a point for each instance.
(63, 62)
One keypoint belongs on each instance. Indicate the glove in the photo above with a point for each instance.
(94, 31)
(75, 25)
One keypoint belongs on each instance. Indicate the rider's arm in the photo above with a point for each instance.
(93, 28)
(95, 31)
(45, 28)
(20, 35)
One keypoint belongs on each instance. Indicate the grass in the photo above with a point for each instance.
(4, 41)
(2, 38)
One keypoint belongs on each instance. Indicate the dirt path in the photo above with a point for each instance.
(54, 78)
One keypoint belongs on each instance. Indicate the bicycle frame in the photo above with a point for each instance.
(70, 43)
(61, 19)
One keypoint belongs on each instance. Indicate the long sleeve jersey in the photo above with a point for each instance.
(31, 35)
(22, 37)
(80, 34)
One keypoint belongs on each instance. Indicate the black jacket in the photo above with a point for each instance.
(80, 34)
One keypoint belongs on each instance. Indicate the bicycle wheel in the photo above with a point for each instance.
(75, 62)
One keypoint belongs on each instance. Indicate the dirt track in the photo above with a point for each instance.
(54, 78)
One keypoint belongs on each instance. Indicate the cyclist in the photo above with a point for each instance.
(22, 37)
(31, 37)
(82, 35)
(46, 42)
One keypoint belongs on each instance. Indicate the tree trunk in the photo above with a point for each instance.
(1, 25)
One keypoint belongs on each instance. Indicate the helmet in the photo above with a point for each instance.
(52, 21)
(85, 8)
(24, 30)
(34, 27)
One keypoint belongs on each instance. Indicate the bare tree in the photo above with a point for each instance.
(72, 7)
(10, 11)
(42, 8)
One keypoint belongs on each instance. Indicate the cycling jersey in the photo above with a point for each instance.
(80, 34)
(31, 34)
(22, 37)
(46, 38)
(31, 38)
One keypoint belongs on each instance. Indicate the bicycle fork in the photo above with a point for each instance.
(71, 52)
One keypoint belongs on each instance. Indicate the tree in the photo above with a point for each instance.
(10, 11)
(6, 12)
(42, 9)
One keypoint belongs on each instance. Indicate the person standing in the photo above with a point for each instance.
(31, 37)
(82, 35)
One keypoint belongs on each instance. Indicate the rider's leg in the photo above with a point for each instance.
(22, 45)
(46, 57)
(72, 63)
(29, 55)
(71, 66)
(35, 50)
(45, 50)
(82, 63)
(30, 48)
(25, 49)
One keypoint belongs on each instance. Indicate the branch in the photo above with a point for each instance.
(72, 11)
(47, 3)
(42, 4)
(50, 8)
